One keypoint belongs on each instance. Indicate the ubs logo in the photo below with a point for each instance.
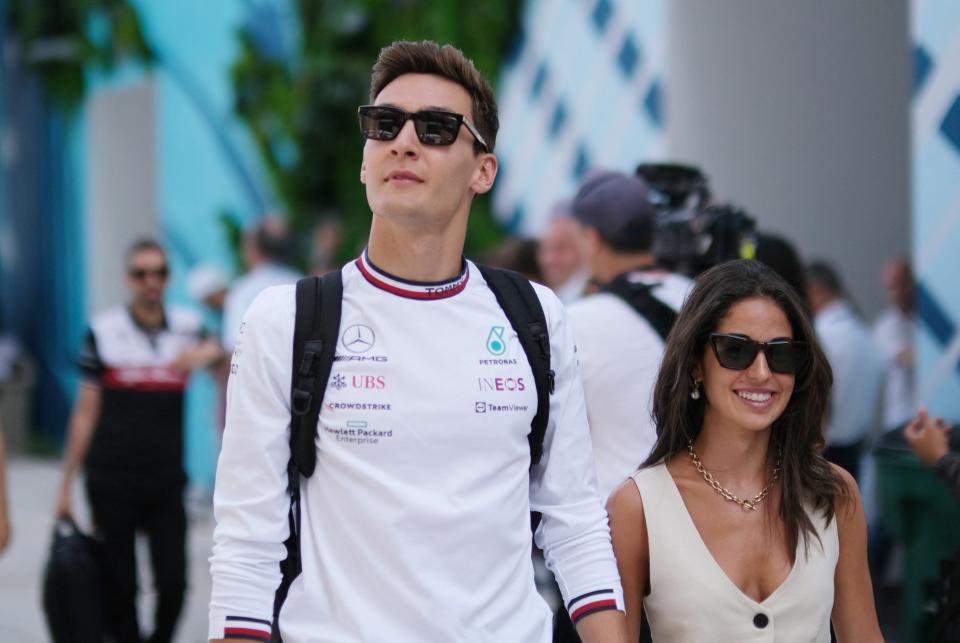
(368, 382)
(358, 338)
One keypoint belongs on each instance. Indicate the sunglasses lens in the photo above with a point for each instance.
(735, 352)
(142, 273)
(784, 357)
(437, 128)
(381, 123)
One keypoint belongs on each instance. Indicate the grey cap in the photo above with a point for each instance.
(618, 207)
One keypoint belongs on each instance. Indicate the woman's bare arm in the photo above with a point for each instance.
(854, 612)
(628, 529)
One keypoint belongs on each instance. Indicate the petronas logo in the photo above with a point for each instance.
(496, 344)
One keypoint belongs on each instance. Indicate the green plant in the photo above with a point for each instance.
(61, 40)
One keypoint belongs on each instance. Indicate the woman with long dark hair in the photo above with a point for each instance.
(735, 528)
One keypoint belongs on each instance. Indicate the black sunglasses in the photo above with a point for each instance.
(737, 352)
(142, 273)
(433, 126)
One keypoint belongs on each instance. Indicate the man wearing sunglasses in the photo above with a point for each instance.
(415, 524)
(126, 429)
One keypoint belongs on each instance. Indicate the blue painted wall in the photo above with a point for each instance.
(936, 202)
(583, 89)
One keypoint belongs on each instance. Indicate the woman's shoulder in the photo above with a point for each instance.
(847, 502)
(628, 495)
(625, 499)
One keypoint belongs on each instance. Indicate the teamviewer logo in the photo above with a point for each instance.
(480, 407)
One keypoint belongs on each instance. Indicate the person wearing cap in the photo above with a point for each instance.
(619, 345)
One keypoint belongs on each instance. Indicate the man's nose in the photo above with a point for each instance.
(406, 142)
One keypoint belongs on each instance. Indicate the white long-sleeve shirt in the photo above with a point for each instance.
(892, 335)
(620, 355)
(416, 521)
(856, 373)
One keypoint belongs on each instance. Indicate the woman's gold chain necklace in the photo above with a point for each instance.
(746, 505)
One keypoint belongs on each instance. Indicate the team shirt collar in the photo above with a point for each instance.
(424, 290)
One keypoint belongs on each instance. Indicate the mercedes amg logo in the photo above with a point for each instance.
(358, 338)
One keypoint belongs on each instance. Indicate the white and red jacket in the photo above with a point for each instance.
(139, 433)
(416, 523)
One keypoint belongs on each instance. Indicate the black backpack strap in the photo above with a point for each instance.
(641, 299)
(522, 307)
(314, 346)
(315, 335)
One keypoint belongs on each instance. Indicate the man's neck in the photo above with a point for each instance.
(610, 265)
(147, 315)
(416, 255)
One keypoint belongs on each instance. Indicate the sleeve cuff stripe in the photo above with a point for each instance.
(592, 608)
(572, 601)
(240, 633)
(243, 633)
(250, 620)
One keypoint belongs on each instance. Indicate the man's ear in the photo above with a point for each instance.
(363, 173)
(594, 243)
(485, 174)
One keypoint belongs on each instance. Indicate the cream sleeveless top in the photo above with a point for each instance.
(692, 599)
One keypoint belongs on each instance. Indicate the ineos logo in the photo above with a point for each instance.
(358, 338)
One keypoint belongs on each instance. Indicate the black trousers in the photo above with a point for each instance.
(846, 456)
(120, 512)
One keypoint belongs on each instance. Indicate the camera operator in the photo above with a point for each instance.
(694, 234)
(620, 330)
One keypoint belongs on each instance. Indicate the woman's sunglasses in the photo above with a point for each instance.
(737, 352)
(433, 126)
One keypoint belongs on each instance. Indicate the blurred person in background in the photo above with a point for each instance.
(5, 530)
(266, 249)
(327, 239)
(856, 369)
(560, 255)
(781, 255)
(621, 330)
(893, 336)
(736, 528)
(519, 255)
(208, 284)
(930, 440)
(126, 429)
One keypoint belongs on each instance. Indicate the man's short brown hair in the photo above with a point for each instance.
(427, 57)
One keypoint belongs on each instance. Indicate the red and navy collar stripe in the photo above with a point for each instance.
(591, 603)
(413, 289)
(241, 627)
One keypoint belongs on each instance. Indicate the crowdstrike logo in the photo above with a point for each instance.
(358, 338)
